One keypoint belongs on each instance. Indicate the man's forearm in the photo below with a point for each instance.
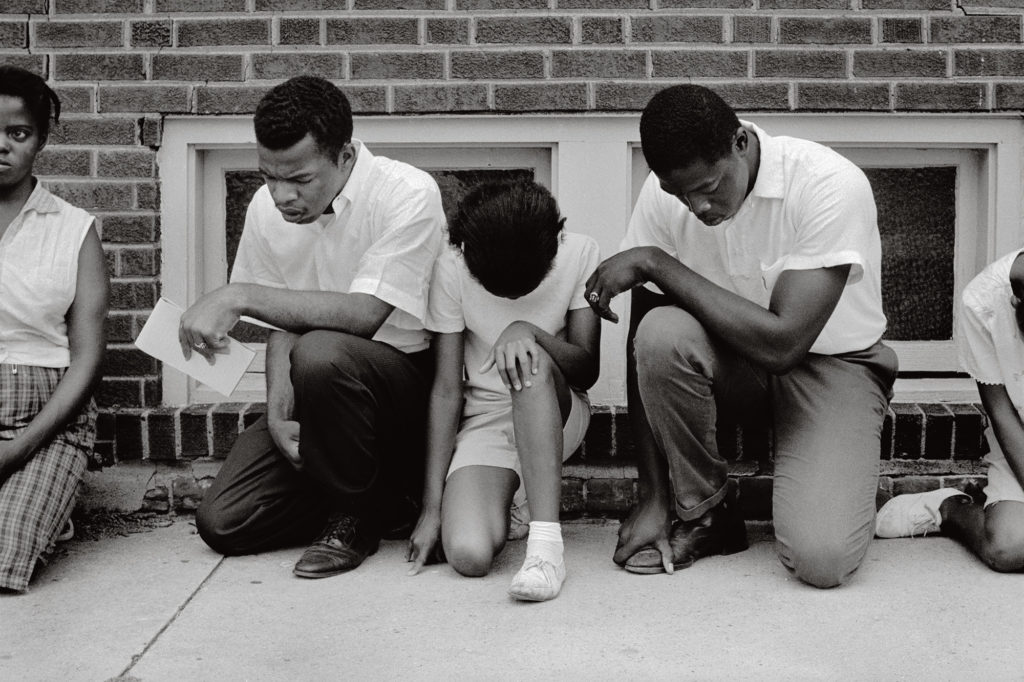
(301, 311)
(280, 394)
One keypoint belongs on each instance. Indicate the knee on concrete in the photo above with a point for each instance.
(820, 563)
(214, 529)
(470, 559)
(1004, 554)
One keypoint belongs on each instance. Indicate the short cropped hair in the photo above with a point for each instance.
(40, 100)
(508, 233)
(300, 106)
(685, 123)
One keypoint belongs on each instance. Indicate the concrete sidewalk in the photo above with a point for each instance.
(159, 605)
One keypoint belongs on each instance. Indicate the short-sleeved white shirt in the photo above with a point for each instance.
(382, 240)
(38, 279)
(459, 303)
(809, 208)
(989, 344)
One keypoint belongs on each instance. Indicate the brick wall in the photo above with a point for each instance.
(120, 66)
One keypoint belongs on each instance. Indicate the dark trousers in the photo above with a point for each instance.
(361, 407)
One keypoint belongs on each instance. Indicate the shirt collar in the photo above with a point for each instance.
(41, 201)
(357, 179)
(770, 183)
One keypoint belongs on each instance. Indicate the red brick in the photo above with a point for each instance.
(914, 484)
(147, 195)
(252, 414)
(398, 4)
(372, 31)
(151, 33)
(110, 259)
(677, 29)
(223, 32)
(227, 424)
(749, 29)
(440, 98)
(295, 5)
(601, 30)
(367, 99)
(940, 96)
(299, 32)
(133, 163)
(98, 6)
(899, 63)
(901, 30)
(25, 6)
(156, 98)
(541, 97)
(152, 131)
(573, 501)
(93, 194)
(36, 63)
(832, 31)
(128, 435)
(610, 495)
(120, 328)
(988, 63)
(75, 99)
(742, 96)
(94, 131)
(975, 29)
(598, 64)
(152, 392)
(969, 6)
(195, 431)
(690, 63)
(546, 30)
(497, 65)
(500, 4)
(13, 34)
(162, 433)
(126, 362)
(804, 4)
(132, 295)
(200, 6)
(907, 4)
(128, 228)
(799, 64)
(93, 67)
(708, 4)
(54, 160)
(907, 426)
(120, 393)
(843, 96)
(78, 34)
(415, 65)
(968, 426)
(607, 4)
(453, 31)
(282, 65)
(938, 431)
(197, 67)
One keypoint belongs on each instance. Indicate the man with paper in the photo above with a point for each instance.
(336, 256)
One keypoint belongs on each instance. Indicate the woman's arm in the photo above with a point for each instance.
(1006, 424)
(87, 344)
(444, 412)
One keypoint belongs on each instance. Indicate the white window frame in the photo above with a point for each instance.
(592, 175)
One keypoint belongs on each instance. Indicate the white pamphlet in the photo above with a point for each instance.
(159, 338)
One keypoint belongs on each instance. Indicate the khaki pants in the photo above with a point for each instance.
(826, 417)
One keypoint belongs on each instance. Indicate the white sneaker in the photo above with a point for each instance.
(519, 521)
(905, 516)
(538, 580)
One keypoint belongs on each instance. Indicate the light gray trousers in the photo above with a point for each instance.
(826, 417)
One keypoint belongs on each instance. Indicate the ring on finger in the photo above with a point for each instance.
(593, 297)
(200, 346)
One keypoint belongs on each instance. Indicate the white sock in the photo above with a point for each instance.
(545, 541)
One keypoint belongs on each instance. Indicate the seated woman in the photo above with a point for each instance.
(53, 303)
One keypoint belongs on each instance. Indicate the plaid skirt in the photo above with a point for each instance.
(37, 499)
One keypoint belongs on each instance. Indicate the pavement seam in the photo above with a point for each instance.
(138, 657)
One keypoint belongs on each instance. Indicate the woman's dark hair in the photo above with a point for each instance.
(509, 234)
(41, 101)
(301, 105)
(685, 123)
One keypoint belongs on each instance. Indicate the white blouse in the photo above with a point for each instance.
(38, 275)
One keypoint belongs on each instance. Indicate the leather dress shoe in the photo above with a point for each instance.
(345, 543)
(719, 531)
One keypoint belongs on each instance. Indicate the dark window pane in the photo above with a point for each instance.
(917, 221)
